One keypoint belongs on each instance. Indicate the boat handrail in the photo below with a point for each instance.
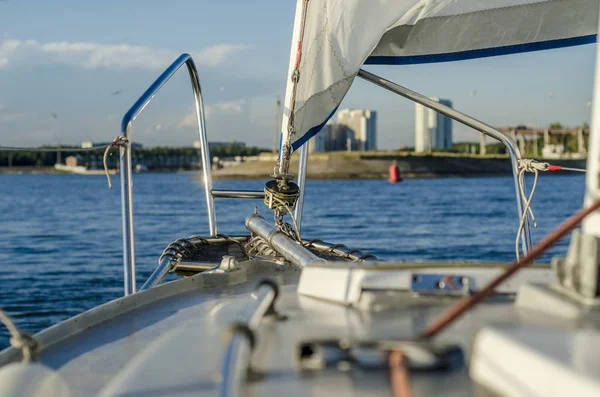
(125, 161)
(513, 149)
(126, 168)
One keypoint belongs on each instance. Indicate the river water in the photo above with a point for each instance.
(60, 245)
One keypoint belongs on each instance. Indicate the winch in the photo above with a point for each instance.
(281, 196)
(281, 192)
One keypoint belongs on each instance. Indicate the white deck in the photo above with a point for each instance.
(169, 341)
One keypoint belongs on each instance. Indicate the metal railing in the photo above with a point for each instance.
(247, 194)
(126, 169)
(211, 194)
(126, 166)
(469, 121)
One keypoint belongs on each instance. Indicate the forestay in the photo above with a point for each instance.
(333, 38)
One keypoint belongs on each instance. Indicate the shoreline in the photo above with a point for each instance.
(355, 165)
(342, 165)
(51, 170)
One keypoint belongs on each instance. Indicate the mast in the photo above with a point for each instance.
(579, 272)
(591, 225)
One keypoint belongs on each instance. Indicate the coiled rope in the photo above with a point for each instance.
(20, 340)
(534, 166)
(118, 141)
(527, 165)
(260, 247)
(530, 165)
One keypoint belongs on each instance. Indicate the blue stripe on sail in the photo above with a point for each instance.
(312, 132)
(481, 53)
(456, 56)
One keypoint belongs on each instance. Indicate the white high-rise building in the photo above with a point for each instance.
(433, 130)
(363, 127)
(422, 129)
(355, 130)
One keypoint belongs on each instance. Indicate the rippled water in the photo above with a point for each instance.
(60, 250)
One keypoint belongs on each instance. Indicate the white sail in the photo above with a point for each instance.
(341, 35)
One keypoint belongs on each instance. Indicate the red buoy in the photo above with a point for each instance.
(394, 173)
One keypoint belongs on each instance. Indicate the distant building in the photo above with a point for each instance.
(318, 142)
(433, 130)
(355, 130)
(553, 151)
(219, 144)
(339, 138)
(363, 125)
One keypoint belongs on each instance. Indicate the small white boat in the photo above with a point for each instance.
(270, 313)
(82, 170)
(73, 169)
(140, 168)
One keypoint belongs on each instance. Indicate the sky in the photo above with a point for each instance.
(69, 70)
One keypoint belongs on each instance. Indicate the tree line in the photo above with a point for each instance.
(42, 159)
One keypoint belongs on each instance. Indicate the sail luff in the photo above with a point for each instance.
(285, 145)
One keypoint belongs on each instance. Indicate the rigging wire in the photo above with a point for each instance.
(286, 150)
(462, 306)
(561, 168)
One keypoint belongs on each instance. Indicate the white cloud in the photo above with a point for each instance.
(188, 121)
(210, 110)
(227, 107)
(110, 56)
(215, 55)
(4, 117)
